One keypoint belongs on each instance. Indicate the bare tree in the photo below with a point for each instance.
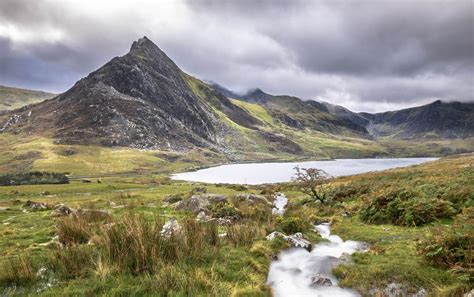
(311, 182)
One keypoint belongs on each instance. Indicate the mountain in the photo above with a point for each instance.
(141, 100)
(442, 120)
(296, 113)
(11, 98)
(144, 100)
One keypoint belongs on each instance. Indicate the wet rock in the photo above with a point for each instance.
(274, 235)
(296, 240)
(61, 210)
(171, 227)
(318, 280)
(345, 258)
(279, 203)
(36, 206)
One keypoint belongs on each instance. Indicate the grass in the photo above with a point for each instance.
(125, 254)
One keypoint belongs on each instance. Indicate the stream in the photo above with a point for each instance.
(298, 272)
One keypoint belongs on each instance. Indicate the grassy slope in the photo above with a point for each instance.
(11, 98)
(238, 269)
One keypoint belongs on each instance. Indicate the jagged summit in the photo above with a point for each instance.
(140, 99)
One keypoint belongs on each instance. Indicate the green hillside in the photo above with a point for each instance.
(11, 98)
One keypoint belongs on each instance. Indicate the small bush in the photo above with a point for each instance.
(348, 191)
(451, 248)
(173, 198)
(221, 210)
(290, 225)
(33, 178)
(405, 208)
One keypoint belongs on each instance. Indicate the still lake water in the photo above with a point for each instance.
(261, 173)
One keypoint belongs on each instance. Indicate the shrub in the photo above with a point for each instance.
(223, 209)
(405, 208)
(33, 178)
(173, 198)
(348, 191)
(290, 225)
(451, 247)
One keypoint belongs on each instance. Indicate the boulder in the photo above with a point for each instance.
(252, 199)
(317, 280)
(296, 240)
(61, 210)
(198, 203)
(171, 227)
(201, 216)
(36, 206)
(92, 215)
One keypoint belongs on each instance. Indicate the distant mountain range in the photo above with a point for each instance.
(144, 100)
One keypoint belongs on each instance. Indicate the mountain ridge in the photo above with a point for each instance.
(144, 100)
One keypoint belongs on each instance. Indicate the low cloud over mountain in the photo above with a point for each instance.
(365, 55)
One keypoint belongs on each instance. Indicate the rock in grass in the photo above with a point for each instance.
(171, 227)
(296, 240)
(92, 215)
(252, 199)
(36, 206)
(198, 203)
(317, 280)
(61, 210)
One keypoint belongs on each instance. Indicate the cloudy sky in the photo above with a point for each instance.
(365, 55)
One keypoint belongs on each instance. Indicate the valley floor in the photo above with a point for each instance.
(42, 252)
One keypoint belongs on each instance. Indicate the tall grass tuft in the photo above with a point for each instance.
(73, 230)
(17, 270)
(244, 234)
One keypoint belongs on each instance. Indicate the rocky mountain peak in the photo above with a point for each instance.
(145, 49)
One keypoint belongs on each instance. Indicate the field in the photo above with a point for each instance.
(117, 248)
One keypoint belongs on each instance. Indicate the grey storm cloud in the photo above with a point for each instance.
(365, 55)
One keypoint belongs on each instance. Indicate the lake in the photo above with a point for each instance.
(262, 173)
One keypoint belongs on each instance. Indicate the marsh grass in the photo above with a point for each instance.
(17, 270)
(244, 233)
(74, 230)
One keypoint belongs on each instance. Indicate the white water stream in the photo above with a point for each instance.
(294, 272)
(279, 204)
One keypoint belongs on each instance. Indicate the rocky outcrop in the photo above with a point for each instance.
(198, 203)
(296, 240)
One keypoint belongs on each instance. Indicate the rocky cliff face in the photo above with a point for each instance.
(138, 100)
